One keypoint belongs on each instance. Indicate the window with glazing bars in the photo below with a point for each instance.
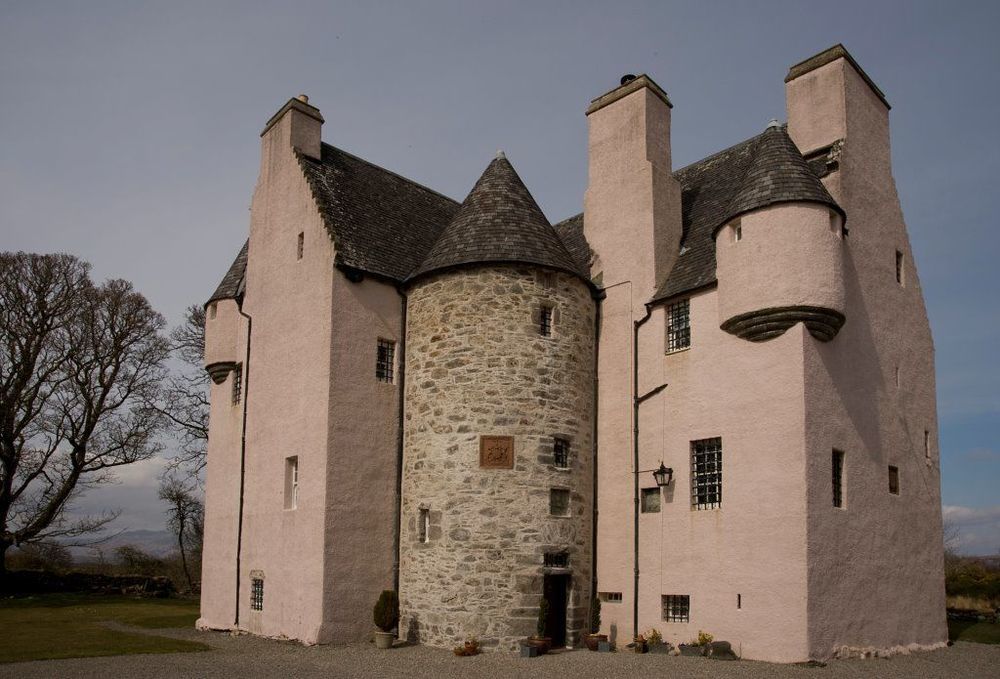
(545, 321)
(257, 594)
(706, 473)
(556, 559)
(384, 362)
(610, 597)
(560, 453)
(679, 325)
(838, 478)
(676, 607)
(237, 383)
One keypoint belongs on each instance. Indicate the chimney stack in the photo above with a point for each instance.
(298, 124)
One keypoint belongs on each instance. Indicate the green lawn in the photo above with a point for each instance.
(69, 626)
(979, 632)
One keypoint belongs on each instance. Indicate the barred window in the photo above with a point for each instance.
(257, 594)
(650, 500)
(838, 478)
(545, 321)
(237, 384)
(556, 559)
(610, 597)
(558, 502)
(894, 480)
(679, 325)
(384, 362)
(560, 453)
(676, 607)
(706, 473)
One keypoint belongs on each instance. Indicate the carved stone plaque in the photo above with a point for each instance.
(496, 452)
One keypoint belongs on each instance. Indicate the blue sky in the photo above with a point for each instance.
(129, 136)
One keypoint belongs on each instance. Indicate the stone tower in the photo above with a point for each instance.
(497, 489)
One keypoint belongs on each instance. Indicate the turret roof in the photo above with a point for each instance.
(499, 221)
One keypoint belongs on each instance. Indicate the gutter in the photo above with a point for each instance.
(243, 459)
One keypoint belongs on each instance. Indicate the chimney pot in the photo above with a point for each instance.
(627, 78)
(303, 98)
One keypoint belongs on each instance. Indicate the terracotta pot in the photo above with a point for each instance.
(384, 639)
(592, 640)
(543, 644)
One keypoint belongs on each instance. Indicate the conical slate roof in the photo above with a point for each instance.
(777, 173)
(499, 221)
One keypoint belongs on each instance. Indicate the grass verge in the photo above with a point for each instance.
(978, 632)
(70, 626)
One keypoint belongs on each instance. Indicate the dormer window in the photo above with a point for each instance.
(678, 326)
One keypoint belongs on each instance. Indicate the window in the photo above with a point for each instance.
(558, 502)
(838, 478)
(894, 480)
(257, 594)
(610, 597)
(706, 473)
(897, 377)
(676, 607)
(556, 559)
(291, 482)
(212, 310)
(927, 445)
(545, 321)
(301, 245)
(899, 267)
(739, 601)
(384, 361)
(423, 525)
(560, 453)
(678, 326)
(237, 383)
(650, 500)
(737, 232)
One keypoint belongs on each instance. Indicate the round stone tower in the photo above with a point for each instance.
(780, 250)
(497, 489)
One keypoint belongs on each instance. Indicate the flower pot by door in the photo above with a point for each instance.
(384, 639)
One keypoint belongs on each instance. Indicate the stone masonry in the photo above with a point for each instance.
(477, 365)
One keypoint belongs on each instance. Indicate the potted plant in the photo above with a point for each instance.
(386, 618)
(594, 639)
(655, 641)
(640, 645)
(539, 640)
(700, 646)
(470, 647)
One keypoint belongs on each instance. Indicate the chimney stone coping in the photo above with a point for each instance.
(298, 105)
(628, 88)
(830, 55)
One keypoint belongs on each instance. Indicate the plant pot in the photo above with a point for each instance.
(543, 644)
(592, 640)
(384, 639)
(689, 650)
(660, 648)
(641, 647)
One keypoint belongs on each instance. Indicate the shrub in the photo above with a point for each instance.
(386, 611)
(41, 556)
(704, 639)
(595, 615)
(653, 636)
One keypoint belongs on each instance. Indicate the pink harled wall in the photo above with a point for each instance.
(876, 565)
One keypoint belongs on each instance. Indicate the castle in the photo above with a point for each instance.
(707, 401)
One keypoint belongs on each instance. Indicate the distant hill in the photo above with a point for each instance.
(158, 543)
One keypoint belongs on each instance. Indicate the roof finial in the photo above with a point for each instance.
(773, 124)
(500, 155)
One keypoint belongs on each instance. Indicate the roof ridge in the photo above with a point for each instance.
(691, 165)
(388, 171)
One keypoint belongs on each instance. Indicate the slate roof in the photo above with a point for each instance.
(761, 171)
(232, 285)
(381, 223)
(499, 221)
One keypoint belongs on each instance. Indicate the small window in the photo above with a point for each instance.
(894, 480)
(560, 453)
(897, 377)
(545, 321)
(385, 360)
(678, 326)
(927, 445)
(737, 232)
(423, 525)
(650, 500)
(556, 559)
(676, 607)
(558, 502)
(610, 597)
(739, 601)
(212, 310)
(837, 460)
(257, 594)
(237, 384)
(900, 273)
(300, 247)
(706, 473)
(291, 482)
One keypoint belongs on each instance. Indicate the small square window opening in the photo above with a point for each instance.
(560, 453)
(559, 502)
(610, 597)
(676, 607)
(678, 326)
(385, 360)
(650, 501)
(556, 560)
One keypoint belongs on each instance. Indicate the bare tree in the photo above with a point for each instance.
(185, 518)
(185, 396)
(79, 364)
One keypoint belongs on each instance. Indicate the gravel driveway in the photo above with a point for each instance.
(246, 657)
